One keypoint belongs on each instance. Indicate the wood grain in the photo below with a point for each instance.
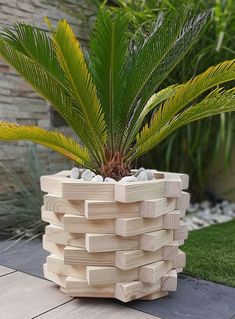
(155, 240)
(81, 225)
(138, 191)
(60, 205)
(109, 275)
(134, 290)
(57, 235)
(109, 242)
(136, 258)
(110, 209)
(79, 256)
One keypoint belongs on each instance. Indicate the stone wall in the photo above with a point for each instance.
(18, 101)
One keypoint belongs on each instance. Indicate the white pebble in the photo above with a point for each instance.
(74, 173)
(128, 179)
(97, 178)
(141, 169)
(110, 180)
(149, 174)
(87, 175)
(142, 176)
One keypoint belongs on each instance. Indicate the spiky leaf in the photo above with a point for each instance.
(51, 139)
(72, 60)
(108, 54)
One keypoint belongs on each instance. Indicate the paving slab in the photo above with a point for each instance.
(194, 298)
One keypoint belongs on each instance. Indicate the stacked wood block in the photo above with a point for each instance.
(115, 240)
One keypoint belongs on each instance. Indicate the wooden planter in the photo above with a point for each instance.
(115, 240)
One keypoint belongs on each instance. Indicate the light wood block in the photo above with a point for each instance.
(56, 265)
(135, 258)
(56, 278)
(109, 275)
(57, 204)
(169, 251)
(52, 184)
(82, 190)
(151, 273)
(53, 248)
(180, 242)
(110, 209)
(182, 203)
(155, 240)
(51, 217)
(184, 178)
(80, 224)
(179, 261)
(134, 290)
(173, 185)
(153, 208)
(171, 220)
(57, 235)
(138, 191)
(137, 225)
(169, 281)
(79, 256)
(182, 232)
(109, 242)
(75, 287)
(178, 270)
(156, 295)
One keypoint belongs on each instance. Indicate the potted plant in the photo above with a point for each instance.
(114, 231)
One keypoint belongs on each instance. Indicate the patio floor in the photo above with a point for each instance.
(26, 297)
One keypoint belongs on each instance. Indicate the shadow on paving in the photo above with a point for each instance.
(194, 299)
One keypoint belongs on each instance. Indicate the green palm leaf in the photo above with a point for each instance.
(51, 139)
(157, 57)
(216, 102)
(36, 44)
(189, 91)
(30, 51)
(152, 103)
(72, 60)
(108, 54)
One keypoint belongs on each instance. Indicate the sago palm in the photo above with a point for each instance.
(111, 96)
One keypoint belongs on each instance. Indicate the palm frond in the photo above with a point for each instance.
(189, 91)
(159, 54)
(51, 139)
(108, 54)
(31, 52)
(152, 103)
(216, 102)
(37, 45)
(71, 58)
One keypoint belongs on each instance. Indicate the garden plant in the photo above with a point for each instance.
(111, 98)
(106, 96)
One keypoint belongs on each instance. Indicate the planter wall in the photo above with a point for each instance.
(115, 240)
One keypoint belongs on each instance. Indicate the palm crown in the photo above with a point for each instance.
(108, 97)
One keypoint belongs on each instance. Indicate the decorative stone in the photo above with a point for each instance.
(141, 169)
(205, 204)
(128, 179)
(149, 174)
(87, 175)
(97, 178)
(142, 176)
(74, 173)
(110, 180)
